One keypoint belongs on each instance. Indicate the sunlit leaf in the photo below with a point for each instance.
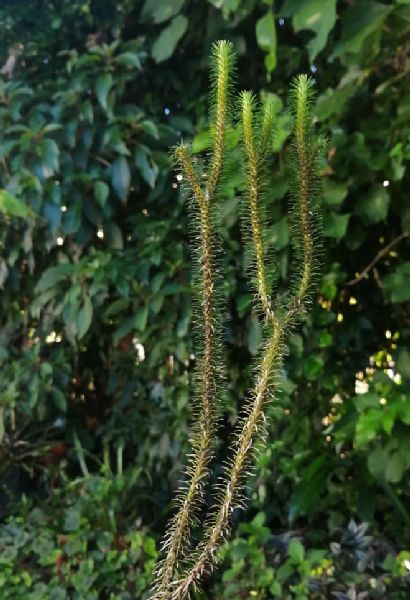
(84, 317)
(334, 225)
(318, 16)
(359, 21)
(165, 44)
(266, 38)
(102, 88)
(13, 207)
(121, 177)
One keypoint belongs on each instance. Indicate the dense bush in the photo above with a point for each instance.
(95, 330)
(261, 564)
(73, 547)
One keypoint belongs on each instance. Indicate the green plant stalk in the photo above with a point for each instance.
(302, 93)
(190, 497)
(254, 158)
(219, 526)
(251, 427)
(222, 60)
(180, 526)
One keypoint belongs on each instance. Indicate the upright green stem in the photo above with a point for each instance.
(222, 54)
(304, 183)
(190, 499)
(253, 202)
(251, 426)
(219, 525)
(180, 527)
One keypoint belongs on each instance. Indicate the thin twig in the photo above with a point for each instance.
(378, 257)
(104, 162)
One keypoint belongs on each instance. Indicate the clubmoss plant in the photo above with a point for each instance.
(209, 368)
(183, 567)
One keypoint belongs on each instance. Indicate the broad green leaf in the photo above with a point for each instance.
(404, 412)
(140, 318)
(296, 551)
(368, 424)
(289, 7)
(395, 467)
(334, 192)
(116, 307)
(174, 288)
(376, 462)
(146, 166)
(113, 236)
(359, 21)
(52, 212)
(318, 16)
(6, 147)
(335, 226)
(102, 88)
(87, 112)
(310, 487)
(72, 218)
(149, 128)
(254, 334)
(57, 593)
(325, 339)
(101, 192)
(60, 400)
(156, 303)
(121, 177)
(388, 422)
(202, 141)
(168, 39)
(84, 317)
(243, 304)
(373, 207)
(49, 155)
(403, 363)
(4, 354)
(276, 589)
(227, 6)
(53, 276)
(283, 130)
(157, 281)
(158, 12)
(128, 59)
(396, 285)
(50, 127)
(266, 38)
(12, 207)
(313, 367)
(279, 234)
(124, 329)
(72, 520)
(368, 400)
(333, 102)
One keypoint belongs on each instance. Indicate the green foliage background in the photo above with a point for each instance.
(95, 328)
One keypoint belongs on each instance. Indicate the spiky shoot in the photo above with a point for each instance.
(222, 70)
(278, 319)
(305, 151)
(209, 366)
(253, 185)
